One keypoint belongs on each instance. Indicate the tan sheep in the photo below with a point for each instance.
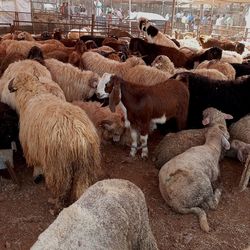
(145, 75)
(224, 67)
(100, 65)
(174, 144)
(164, 63)
(185, 182)
(31, 67)
(25, 36)
(21, 47)
(110, 126)
(57, 136)
(76, 84)
(111, 215)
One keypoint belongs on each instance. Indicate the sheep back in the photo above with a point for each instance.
(111, 214)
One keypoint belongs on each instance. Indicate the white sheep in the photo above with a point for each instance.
(57, 136)
(76, 84)
(33, 68)
(243, 154)
(110, 215)
(174, 144)
(231, 57)
(185, 182)
(100, 65)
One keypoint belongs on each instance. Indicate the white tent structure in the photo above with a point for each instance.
(13, 6)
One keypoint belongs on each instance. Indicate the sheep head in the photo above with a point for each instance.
(212, 53)
(113, 129)
(142, 23)
(239, 48)
(22, 80)
(212, 116)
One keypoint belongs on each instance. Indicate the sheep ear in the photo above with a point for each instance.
(228, 117)
(11, 87)
(240, 155)
(106, 124)
(225, 143)
(205, 121)
(114, 97)
(93, 83)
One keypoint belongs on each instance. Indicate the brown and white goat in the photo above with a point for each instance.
(145, 105)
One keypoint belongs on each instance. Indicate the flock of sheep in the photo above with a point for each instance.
(45, 90)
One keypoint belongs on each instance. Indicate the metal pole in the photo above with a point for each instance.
(172, 17)
(129, 11)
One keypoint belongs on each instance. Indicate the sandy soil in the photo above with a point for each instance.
(24, 212)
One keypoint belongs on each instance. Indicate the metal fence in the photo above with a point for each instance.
(101, 25)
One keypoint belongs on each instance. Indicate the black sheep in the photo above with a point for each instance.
(231, 97)
(241, 69)
(149, 51)
(8, 126)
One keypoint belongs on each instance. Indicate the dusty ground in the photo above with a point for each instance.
(24, 213)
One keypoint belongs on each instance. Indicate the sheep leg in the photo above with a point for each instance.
(214, 199)
(200, 213)
(37, 174)
(245, 177)
(134, 136)
(144, 146)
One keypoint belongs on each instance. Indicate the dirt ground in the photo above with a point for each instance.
(24, 212)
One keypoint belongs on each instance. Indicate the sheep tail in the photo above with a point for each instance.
(200, 213)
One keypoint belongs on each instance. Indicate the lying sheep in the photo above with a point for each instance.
(110, 126)
(33, 68)
(100, 65)
(221, 66)
(57, 136)
(240, 130)
(243, 150)
(174, 144)
(76, 84)
(111, 215)
(185, 182)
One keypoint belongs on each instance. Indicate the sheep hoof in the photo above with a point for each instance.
(38, 179)
(133, 152)
(144, 156)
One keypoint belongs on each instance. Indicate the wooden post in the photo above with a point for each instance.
(92, 24)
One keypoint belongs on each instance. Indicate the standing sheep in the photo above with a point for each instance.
(185, 182)
(33, 68)
(110, 215)
(76, 84)
(58, 137)
(100, 65)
